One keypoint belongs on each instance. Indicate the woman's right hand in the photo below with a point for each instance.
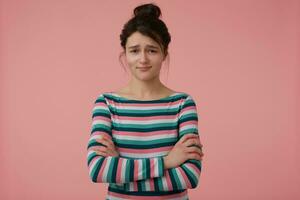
(183, 151)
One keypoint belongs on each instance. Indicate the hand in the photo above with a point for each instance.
(183, 151)
(109, 149)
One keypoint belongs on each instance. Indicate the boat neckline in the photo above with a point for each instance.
(143, 100)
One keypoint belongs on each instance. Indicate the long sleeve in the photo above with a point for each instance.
(115, 169)
(187, 174)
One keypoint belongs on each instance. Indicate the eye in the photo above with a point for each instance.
(152, 51)
(133, 51)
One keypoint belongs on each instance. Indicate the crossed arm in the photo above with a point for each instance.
(156, 173)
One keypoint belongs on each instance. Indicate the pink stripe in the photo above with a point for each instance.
(164, 197)
(152, 168)
(102, 118)
(144, 118)
(194, 167)
(119, 170)
(169, 184)
(135, 186)
(188, 108)
(136, 169)
(101, 133)
(99, 178)
(190, 122)
(186, 179)
(151, 133)
(145, 151)
(100, 104)
(151, 183)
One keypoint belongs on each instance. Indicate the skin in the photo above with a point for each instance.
(142, 51)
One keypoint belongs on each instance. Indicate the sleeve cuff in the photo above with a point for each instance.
(157, 167)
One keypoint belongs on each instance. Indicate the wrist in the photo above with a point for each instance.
(166, 162)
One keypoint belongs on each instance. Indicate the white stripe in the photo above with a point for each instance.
(182, 181)
(155, 167)
(105, 171)
(100, 107)
(113, 198)
(144, 155)
(95, 137)
(145, 122)
(190, 126)
(93, 165)
(185, 197)
(131, 188)
(100, 121)
(168, 106)
(140, 169)
(145, 137)
(192, 170)
(147, 185)
(187, 112)
(123, 170)
(164, 183)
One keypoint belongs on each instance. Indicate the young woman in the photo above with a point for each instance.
(144, 140)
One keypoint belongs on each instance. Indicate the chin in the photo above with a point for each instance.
(145, 78)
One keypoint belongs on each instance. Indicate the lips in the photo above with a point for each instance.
(143, 68)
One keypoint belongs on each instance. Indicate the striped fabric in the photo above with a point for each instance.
(143, 131)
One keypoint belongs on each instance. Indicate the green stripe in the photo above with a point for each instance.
(191, 177)
(144, 114)
(146, 142)
(150, 146)
(96, 169)
(144, 161)
(91, 157)
(160, 184)
(173, 179)
(129, 129)
(131, 170)
(156, 184)
(146, 193)
(127, 172)
(145, 126)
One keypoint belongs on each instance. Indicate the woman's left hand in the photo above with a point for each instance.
(109, 149)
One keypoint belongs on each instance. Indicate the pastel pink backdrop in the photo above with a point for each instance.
(238, 59)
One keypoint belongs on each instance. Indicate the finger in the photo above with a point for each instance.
(192, 141)
(109, 140)
(194, 150)
(101, 153)
(105, 136)
(195, 156)
(187, 136)
(99, 148)
(105, 143)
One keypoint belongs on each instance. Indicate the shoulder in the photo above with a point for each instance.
(186, 96)
(102, 97)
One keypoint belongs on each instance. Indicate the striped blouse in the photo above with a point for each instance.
(143, 131)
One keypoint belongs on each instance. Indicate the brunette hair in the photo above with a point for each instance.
(146, 20)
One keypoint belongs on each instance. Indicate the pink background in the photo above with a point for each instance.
(238, 59)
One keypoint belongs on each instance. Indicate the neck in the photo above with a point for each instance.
(144, 89)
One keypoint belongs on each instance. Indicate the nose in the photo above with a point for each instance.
(143, 57)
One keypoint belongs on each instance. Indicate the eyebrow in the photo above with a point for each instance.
(151, 46)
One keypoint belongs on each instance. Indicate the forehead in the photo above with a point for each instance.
(137, 39)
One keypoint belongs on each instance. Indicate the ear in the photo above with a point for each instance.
(165, 55)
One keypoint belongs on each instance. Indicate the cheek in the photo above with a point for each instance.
(131, 61)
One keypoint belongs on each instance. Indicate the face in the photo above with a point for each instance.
(144, 57)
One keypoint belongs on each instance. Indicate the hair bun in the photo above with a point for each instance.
(147, 10)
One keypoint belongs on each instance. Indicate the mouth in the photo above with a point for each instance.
(144, 68)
